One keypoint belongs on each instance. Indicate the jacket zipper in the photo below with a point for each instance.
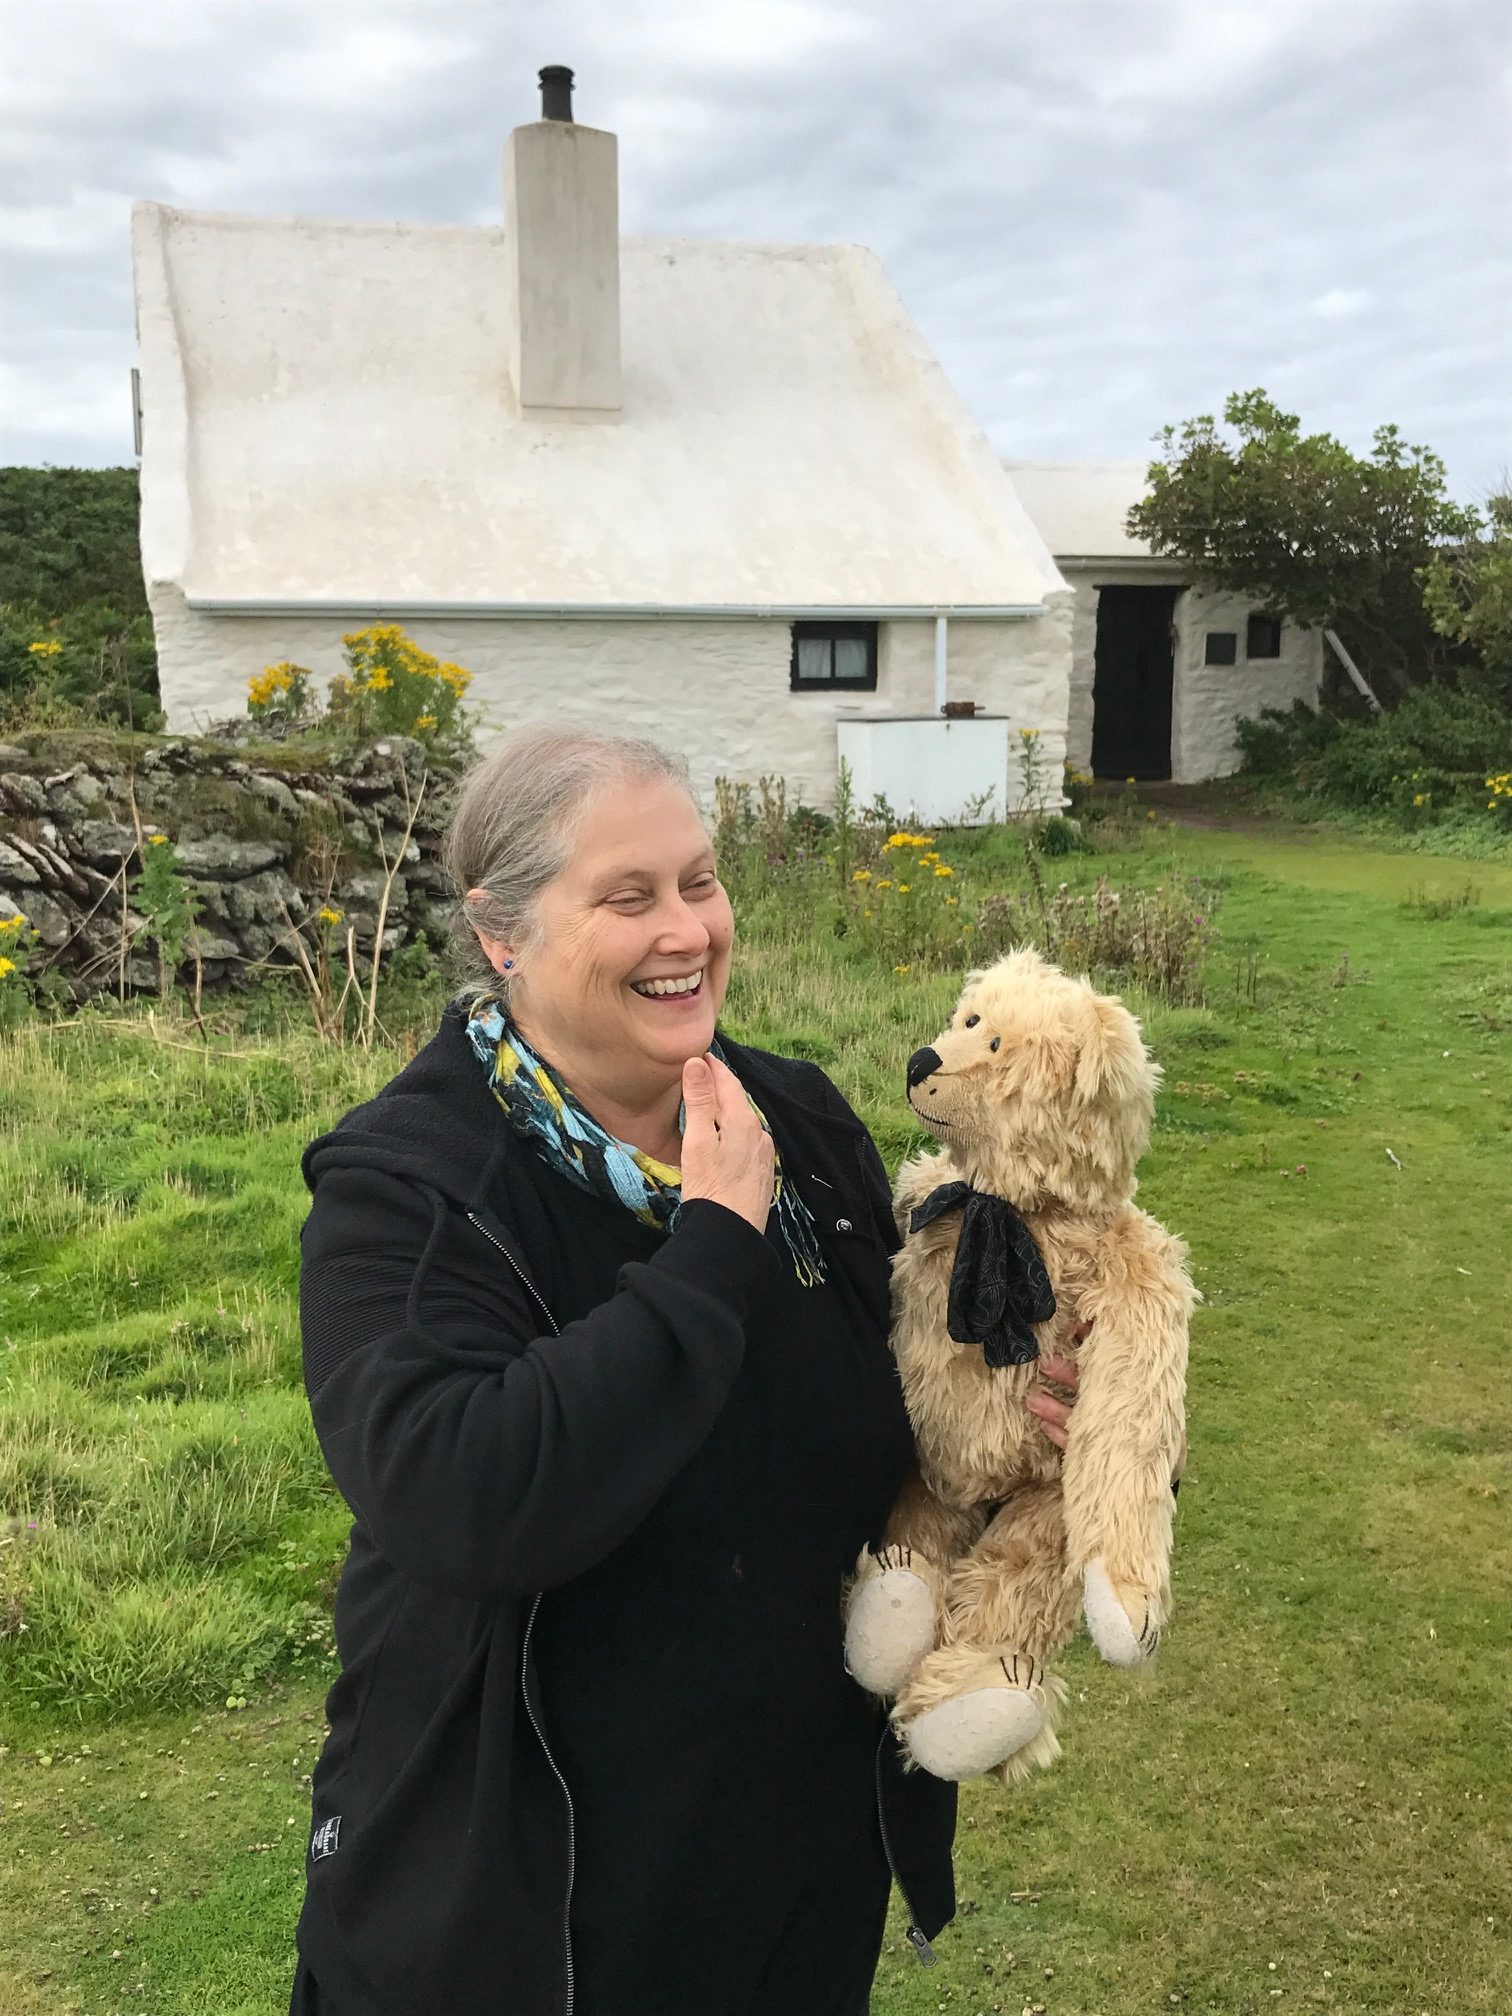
(540, 1734)
(924, 1953)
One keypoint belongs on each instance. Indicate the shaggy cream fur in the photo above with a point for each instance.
(1043, 1094)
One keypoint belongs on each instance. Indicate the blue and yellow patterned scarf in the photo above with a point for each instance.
(542, 1110)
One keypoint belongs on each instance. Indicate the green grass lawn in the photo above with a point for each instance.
(1304, 1805)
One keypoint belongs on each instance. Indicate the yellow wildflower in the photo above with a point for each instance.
(10, 924)
(904, 887)
(378, 680)
(327, 915)
(943, 868)
(885, 883)
(425, 721)
(861, 875)
(45, 647)
(1152, 813)
(6, 966)
(900, 969)
(952, 901)
(157, 840)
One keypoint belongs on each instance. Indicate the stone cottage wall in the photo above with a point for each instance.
(717, 691)
(266, 836)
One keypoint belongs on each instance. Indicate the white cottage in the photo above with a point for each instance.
(1161, 666)
(717, 493)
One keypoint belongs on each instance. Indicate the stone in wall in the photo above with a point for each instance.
(266, 834)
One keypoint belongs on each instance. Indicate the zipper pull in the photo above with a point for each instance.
(924, 1953)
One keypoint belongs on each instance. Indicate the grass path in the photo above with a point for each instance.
(1304, 1806)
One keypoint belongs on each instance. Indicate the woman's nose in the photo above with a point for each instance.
(686, 927)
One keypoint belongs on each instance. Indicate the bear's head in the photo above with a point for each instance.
(1040, 1088)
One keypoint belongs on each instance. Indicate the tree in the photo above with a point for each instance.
(1468, 590)
(1332, 539)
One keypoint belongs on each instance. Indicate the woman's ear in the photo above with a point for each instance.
(497, 951)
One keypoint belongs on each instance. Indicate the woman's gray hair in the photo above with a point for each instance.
(513, 826)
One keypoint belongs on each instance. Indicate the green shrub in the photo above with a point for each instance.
(1057, 836)
(76, 639)
(1445, 751)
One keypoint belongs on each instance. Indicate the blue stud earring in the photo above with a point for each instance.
(507, 964)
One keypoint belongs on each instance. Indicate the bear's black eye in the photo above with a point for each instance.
(972, 1021)
(994, 1043)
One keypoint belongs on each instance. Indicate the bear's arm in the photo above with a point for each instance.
(916, 1178)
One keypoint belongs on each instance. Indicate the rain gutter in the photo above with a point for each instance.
(346, 608)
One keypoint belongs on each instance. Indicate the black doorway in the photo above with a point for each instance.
(1131, 686)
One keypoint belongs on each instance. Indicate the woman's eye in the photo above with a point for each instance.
(972, 1021)
(994, 1043)
(703, 886)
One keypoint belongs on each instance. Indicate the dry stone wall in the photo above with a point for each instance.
(267, 836)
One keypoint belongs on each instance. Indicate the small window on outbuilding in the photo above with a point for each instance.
(1262, 637)
(1222, 648)
(834, 657)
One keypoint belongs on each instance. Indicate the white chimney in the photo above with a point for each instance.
(561, 227)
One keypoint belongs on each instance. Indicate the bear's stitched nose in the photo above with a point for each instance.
(923, 1064)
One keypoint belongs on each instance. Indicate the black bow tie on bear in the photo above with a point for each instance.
(998, 1285)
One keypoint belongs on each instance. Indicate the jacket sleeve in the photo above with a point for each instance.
(483, 1457)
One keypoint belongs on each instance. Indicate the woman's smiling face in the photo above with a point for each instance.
(630, 956)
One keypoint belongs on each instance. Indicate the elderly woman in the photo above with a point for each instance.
(595, 1312)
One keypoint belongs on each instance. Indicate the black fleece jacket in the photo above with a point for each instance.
(495, 1450)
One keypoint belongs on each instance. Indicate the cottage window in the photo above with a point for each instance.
(1262, 637)
(1222, 648)
(830, 657)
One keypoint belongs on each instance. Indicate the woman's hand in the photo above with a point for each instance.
(1054, 1416)
(727, 1155)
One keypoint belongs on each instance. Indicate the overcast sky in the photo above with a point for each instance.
(1104, 214)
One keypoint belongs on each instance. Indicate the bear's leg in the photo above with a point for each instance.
(893, 1606)
(983, 1701)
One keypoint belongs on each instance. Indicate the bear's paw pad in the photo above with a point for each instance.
(890, 1628)
(1112, 1630)
(974, 1732)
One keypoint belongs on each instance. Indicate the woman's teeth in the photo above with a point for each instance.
(688, 984)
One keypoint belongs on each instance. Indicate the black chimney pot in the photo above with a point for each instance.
(556, 92)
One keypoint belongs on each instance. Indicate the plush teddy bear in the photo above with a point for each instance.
(1021, 1235)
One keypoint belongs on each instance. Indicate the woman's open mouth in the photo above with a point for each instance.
(676, 987)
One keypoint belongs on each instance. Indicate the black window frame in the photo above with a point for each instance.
(835, 632)
(1273, 628)
(1220, 638)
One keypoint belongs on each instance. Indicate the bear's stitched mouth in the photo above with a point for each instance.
(929, 1119)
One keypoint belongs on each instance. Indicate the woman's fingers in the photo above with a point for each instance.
(1053, 1415)
(700, 1097)
(727, 1153)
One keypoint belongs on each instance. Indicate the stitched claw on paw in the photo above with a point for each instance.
(1019, 1670)
(893, 1557)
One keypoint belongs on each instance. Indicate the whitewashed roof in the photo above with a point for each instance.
(326, 419)
(1080, 507)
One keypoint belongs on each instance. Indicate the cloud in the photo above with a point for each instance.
(1102, 217)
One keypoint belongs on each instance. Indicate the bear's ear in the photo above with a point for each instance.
(1111, 1063)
